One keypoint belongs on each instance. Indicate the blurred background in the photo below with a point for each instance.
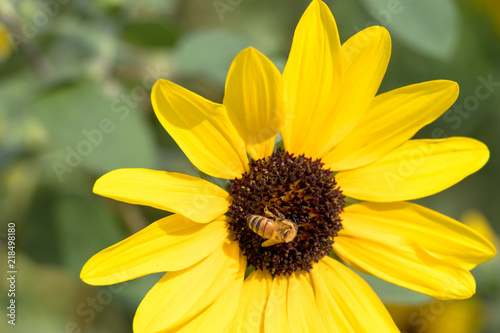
(75, 79)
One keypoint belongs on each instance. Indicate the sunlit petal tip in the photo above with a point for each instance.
(365, 59)
(91, 276)
(201, 128)
(493, 250)
(456, 288)
(382, 36)
(488, 247)
(453, 86)
(395, 240)
(321, 6)
(86, 274)
(462, 287)
(193, 197)
(369, 49)
(249, 51)
(243, 55)
(374, 40)
(415, 170)
(477, 221)
(386, 39)
(170, 244)
(254, 102)
(449, 90)
(374, 33)
(311, 80)
(391, 120)
(485, 152)
(487, 244)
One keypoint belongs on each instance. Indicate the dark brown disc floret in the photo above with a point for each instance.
(298, 189)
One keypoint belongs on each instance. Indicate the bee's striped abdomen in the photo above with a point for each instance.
(262, 226)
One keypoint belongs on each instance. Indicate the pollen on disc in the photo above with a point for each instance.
(300, 190)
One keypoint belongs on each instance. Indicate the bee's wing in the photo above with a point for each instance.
(276, 239)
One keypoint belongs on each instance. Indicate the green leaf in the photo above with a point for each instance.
(85, 227)
(82, 49)
(135, 290)
(67, 224)
(17, 128)
(147, 33)
(56, 301)
(44, 293)
(145, 8)
(427, 26)
(88, 130)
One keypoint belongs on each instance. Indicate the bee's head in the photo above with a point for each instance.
(291, 233)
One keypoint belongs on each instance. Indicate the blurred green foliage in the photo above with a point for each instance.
(74, 104)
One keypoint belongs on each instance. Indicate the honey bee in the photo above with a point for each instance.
(276, 230)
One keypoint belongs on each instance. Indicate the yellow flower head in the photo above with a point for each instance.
(5, 42)
(340, 142)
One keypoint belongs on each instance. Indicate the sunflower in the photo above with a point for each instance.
(5, 42)
(340, 177)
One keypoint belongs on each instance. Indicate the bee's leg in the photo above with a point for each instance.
(281, 216)
(268, 213)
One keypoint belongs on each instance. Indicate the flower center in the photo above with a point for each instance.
(285, 212)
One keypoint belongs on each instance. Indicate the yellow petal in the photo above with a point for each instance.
(311, 79)
(412, 246)
(366, 56)
(303, 315)
(276, 318)
(252, 303)
(5, 42)
(170, 244)
(253, 100)
(416, 169)
(183, 295)
(218, 316)
(193, 197)
(202, 130)
(346, 302)
(391, 120)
